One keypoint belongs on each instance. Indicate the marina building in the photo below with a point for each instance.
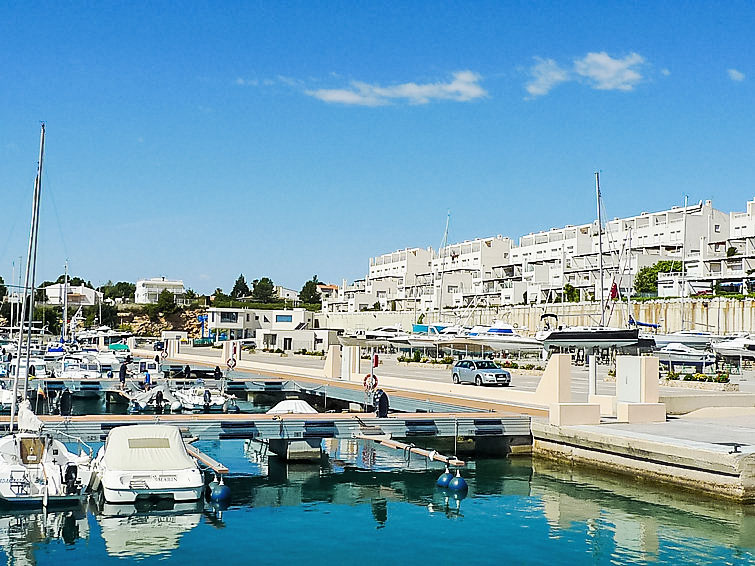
(148, 290)
(289, 330)
(716, 247)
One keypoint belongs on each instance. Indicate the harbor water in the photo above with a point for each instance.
(365, 504)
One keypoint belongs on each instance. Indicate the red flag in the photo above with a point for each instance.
(614, 291)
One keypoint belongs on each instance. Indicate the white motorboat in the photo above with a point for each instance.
(37, 470)
(37, 368)
(158, 398)
(292, 406)
(677, 353)
(740, 347)
(204, 398)
(380, 336)
(501, 336)
(78, 368)
(691, 338)
(147, 461)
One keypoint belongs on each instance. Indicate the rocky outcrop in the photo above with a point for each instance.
(141, 325)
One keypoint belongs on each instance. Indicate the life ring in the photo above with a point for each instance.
(231, 363)
(370, 381)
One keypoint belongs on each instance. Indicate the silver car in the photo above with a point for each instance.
(480, 372)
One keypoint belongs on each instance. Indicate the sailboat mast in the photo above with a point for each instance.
(684, 258)
(65, 304)
(600, 250)
(443, 246)
(28, 282)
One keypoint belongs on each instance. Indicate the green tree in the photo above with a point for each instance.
(309, 293)
(121, 290)
(40, 295)
(3, 289)
(646, 280)
(571, 294)
(219, 297)
(263, 290)
(166, 302)
(74, 281)
(240, 288)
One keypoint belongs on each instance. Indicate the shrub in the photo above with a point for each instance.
(417, 356)
(673, 375)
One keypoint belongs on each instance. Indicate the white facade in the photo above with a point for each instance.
(148, 290)
(287, 295)
(78, 295)
(495, 271)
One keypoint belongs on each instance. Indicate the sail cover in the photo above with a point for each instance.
(151, 448)
(27, 420)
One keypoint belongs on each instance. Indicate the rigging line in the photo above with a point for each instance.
(51, 193)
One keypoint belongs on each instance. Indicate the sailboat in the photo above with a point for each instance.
(588, 337)
(35, 469)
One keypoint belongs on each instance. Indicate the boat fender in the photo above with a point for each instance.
(159, 398)
(175, 406)
(221, 494)
(458, 483)
(444, 478)
(207, 397)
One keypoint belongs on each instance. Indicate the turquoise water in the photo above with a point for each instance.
(366, 505)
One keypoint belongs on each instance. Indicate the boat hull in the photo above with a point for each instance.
(131, 495)
(598, 338)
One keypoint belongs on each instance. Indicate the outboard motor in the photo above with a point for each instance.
(380, 400)
(159, 402)
(207, 399)
(70, 477)
(66, 402)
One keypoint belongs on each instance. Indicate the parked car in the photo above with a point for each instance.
(159, 346)
(480, 372)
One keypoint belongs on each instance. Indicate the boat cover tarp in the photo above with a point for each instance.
(146, 448)
(144, 398)
(118, 347)
(27, 420)
(296, 406)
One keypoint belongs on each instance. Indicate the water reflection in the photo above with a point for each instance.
(21, 531)
(517, 511)
(148, 529)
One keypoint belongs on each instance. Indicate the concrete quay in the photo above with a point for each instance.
(711, 449)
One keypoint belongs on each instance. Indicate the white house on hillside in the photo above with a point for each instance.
(148, 290)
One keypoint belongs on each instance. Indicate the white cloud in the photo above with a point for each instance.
(665, 72)
(606, 73)
(545, 75)
(735, 75)
(246, 82)
(463, 88)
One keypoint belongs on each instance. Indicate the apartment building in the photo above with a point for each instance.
(495, 271)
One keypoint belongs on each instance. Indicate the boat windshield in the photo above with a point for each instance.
(486, 364)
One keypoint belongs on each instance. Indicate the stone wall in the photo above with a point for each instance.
(717, 315)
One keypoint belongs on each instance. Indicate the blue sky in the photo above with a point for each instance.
(198, 140)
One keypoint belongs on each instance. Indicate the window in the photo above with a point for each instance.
(284, 318)
(229, 317)
(717, 228)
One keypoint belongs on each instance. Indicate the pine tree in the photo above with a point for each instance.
(263, 290)
(309, 293)
(240, 288)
